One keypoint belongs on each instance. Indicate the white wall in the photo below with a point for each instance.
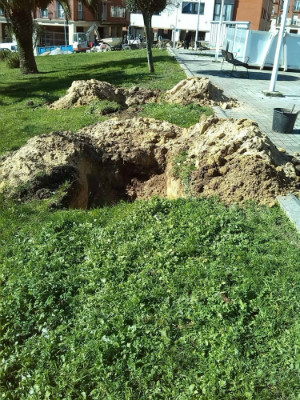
(258, 47)
(167, 19)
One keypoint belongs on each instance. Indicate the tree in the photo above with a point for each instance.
(19, 14)
(148, 8)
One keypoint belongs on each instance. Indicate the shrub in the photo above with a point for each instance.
(13, 60)
(4, 54)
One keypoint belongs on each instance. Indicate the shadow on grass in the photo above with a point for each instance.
(118, 72)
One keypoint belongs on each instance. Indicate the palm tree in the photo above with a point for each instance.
(19, 13)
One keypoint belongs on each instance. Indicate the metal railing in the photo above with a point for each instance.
(53, 39)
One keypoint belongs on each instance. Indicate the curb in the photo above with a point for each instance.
(183, 66)
(290, 204)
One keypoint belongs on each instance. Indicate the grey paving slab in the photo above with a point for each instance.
(291, 206)
(249, 92)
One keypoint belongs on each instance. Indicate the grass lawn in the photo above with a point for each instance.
(18, 122)
(185, 299)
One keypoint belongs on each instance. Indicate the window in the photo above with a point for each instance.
(117, 12)
(227, 10)
(80, 10)
(60, 11)
(297, 5)
(192, 8)
(44, 13)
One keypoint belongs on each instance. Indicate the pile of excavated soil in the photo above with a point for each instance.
(132, 159)
(138, 95)
(190, 90)
(83, 92)
(198, 90)
(237, 162)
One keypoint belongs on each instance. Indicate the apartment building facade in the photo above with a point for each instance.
(258, 12)
(177, 18)
(182, 16)
(112, 21)
(293, 18)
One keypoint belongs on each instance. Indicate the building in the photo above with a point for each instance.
(112, 21)
(183, 16)
(177, 19)
(258, 12)
(293, 18)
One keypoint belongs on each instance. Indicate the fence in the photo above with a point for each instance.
(49, 38)
(214, 27)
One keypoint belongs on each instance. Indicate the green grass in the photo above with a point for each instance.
(181, 299)
(184, 116)
(18, 122)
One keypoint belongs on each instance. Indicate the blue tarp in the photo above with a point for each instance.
(41, 50)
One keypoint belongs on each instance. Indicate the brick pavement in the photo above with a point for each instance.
(254, 104)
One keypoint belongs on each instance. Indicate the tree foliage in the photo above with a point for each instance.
(150, 6)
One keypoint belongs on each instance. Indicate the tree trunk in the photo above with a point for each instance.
(149, 37)
(22, 25)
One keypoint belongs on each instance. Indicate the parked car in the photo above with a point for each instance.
(9, 46)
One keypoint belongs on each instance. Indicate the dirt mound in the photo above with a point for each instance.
(137, 95)
(198, 90)
(83, 92)
(137, 158)
(234, 160)
(191, 90)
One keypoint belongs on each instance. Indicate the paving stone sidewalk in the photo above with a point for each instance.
(254, 104)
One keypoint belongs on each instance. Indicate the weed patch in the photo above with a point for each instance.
(178, 114)
(160, 299)
(183, 168)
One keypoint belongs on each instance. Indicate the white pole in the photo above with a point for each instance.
(279, 46)
(219, 31)
(175, 31)
(197, 27)
(65, 30)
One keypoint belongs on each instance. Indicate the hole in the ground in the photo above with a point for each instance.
(107, 183)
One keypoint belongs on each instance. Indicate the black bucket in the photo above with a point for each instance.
(283, 120)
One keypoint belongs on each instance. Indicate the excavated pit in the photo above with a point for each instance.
(141, 157)
(107, 183)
